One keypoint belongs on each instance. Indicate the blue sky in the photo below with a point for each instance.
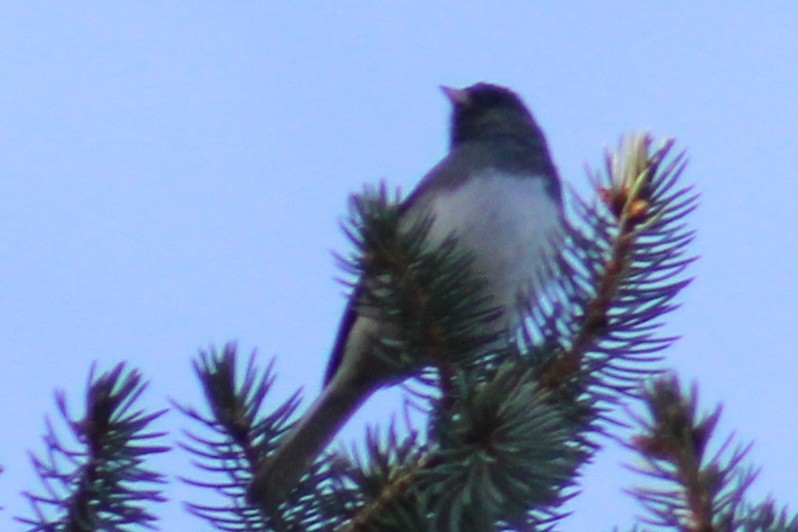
(172, 177)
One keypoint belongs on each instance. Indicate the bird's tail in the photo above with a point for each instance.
(279, 473)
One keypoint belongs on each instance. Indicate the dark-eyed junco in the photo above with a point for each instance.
(498, 193)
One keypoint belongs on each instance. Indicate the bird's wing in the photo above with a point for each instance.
(446, 174)
(345, 327)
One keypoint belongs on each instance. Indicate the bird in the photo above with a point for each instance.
(499, 194)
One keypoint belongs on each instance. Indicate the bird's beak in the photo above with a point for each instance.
(456, 96)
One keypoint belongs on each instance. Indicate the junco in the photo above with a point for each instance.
(498, 193)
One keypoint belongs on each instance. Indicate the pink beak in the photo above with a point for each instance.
(456, 96)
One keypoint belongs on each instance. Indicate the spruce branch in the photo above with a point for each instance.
(503, 455)
(100, 482)
(621, 271)
(433, 310)
(695, 492)
(232, 434)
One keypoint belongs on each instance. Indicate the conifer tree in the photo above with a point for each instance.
(508, 426)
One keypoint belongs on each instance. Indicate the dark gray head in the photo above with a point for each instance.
(492, 115)
(485, 112)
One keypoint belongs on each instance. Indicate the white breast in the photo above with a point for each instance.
(509, 223)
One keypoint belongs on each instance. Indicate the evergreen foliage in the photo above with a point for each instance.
(691, 490)
(101, 482)
(509, 425)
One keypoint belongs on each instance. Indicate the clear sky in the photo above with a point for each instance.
(172, 176)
